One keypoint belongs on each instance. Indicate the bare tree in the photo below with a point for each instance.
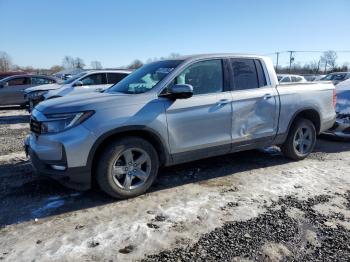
(56, 68)
(329, 59)
(174, 55)
(314, 66)
(135, 64)
(5, 62)
(68, 62)
(96, 65)
(79, 63)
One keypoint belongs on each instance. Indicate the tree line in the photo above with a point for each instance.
(325, 64)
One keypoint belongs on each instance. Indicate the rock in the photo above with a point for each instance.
(127, 249)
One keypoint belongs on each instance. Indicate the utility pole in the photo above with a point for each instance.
(277, 54)
(291, 59)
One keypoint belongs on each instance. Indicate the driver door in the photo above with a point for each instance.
(200, 126)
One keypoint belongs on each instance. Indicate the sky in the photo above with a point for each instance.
(40, 33)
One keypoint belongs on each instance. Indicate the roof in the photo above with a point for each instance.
(221, 55)
(28, 75)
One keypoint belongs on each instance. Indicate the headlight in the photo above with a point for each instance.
(34, 95)
(60, 122)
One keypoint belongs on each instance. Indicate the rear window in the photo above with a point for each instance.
(247, 74)
(113, 78)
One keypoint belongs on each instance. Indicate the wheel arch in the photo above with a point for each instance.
(308, 113)
(148, 134)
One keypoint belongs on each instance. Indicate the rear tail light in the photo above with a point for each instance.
(334, 98)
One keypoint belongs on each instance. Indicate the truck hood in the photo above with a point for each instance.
(42, 88)
(92, 101)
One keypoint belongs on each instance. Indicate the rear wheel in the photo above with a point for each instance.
(301, 139)
(127, 167)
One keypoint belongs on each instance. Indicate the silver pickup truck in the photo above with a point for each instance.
(174, 111)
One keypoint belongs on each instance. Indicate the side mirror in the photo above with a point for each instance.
(179, 91)
(78, 83)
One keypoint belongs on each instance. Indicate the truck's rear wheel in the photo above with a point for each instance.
(301, 139)
(127, 167)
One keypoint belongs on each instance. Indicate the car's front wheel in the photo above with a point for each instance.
(127, 167)
(301, 139)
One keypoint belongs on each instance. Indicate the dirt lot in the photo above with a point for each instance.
(247, 206)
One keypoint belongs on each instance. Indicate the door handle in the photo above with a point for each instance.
(267, 96)
(223, 102)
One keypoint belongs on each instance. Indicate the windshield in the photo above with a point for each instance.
(145, 78)
(73, 78)
(279, 78)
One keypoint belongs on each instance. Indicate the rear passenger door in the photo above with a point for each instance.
(200, 126)
(254, 105)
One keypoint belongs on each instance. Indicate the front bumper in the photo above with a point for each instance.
(62, 156)
(78, 178)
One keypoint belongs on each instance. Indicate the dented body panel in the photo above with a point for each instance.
(201, 126)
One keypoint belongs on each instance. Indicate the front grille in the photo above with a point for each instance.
(35, 126)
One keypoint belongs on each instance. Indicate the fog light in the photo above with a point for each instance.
(60, 168)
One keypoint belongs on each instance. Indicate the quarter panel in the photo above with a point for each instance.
(297, 97)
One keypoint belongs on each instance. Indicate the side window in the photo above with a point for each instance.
(114, 78)
(206, 77)
(18, 81)
(261, 73)
(41, 81)
(294, 79)
(244, 74)
(95, 79)
(285, 79)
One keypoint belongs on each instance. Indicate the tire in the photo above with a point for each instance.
(297, 146)
(120, 173)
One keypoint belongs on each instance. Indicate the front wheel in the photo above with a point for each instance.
(301, 139)
(127, 167)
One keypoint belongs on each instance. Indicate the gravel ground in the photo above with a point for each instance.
(249, 206)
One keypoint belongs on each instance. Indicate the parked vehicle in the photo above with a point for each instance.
(282, 78)
(11, 73)
(12, 87)
(311, 78)
(341, 128)
(88, 81)
(175, 111)
(337, 77)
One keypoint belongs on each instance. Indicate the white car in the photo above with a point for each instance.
(283, 78)
(87, 81)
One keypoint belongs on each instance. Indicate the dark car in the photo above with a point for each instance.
(12, 73)
(12, 87)
(337, 77)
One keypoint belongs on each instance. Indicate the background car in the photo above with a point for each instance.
(341, 128)
(12, 87)
(311, 78)
(283, 78)
(10, 73)
(337, 77)
(88, 81)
